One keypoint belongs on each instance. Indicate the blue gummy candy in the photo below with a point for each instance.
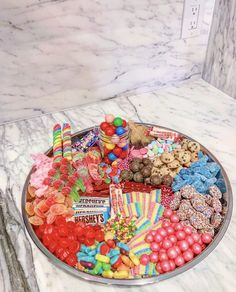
(114, 259)
(123, 246)
(221, 185)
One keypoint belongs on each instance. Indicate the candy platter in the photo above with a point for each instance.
(227, 202)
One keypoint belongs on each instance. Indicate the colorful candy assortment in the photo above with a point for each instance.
(125, 201)
(114, 139)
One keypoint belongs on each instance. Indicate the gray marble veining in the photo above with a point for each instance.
(195, 108)
(220, 64)
(59, 54)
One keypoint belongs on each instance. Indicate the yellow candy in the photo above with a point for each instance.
(123, 267)
(107, 274)
(109, 235)
(134, 258)
(93, 246)
(102, 258)
(127, 261)
(110, 146)
(121, 275)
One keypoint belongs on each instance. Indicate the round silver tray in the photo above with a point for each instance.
(141, 281)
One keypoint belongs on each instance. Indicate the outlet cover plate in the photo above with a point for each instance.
(192, 18)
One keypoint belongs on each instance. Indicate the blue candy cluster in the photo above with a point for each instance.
(201, 175)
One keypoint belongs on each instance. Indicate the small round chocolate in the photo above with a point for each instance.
(147, 181)
(156, 179)
(134, 166)
(167, 180)
(141, 165)
(138, 160)
(126, 175)
(146, 171)
(138, 177)
(146, 161)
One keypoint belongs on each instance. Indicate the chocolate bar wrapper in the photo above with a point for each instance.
(93, 201)
(92, 218)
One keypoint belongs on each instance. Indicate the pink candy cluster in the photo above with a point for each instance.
(173, 244)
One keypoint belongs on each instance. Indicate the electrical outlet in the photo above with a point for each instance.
(192, 18)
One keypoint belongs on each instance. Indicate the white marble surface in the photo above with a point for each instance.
(57, 54)
(195, 108)
(220, 65)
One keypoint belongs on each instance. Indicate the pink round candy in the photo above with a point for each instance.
(183, 245)
(153, 232)
(109, 118)
(196, 248)
(167, 213)
(149, 238)
(166, 244)
(153, 257)
(174, 218)
(188, 255)
(155, 246)
(115, 139)
(143, 151)
(180, 234)
(165, 265)
(206, 238)
(144, 259)
(158, 238)
(165, 224)
(162, 232)
(179, 261)
(172, 253)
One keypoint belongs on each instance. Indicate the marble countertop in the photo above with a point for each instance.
(194, 108)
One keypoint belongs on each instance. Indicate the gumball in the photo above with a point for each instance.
(153, 232)
(172, 253)
(109, 146)
(172, 238)
(104, 125)
(206, 238)
(170, 230)
(117, 151)
(112, 156)
(165, 224)
(125, 147)
(183, 245)
(177, 250)
(149, 238)
(161, 249)
(123, 154)
(196, 248)
(178, 226)
(109, 131)
(144, 259)
(172, 265)
(167, 213)
(163, 256)
(180, 234)
(153, 257)
(196, 237)
(109, 118)
(174, 218)
(158, 268)
(166, 244)
(117, 122)
(189, 239)
(179, 261)
(120, 131)
(165, 265)
(124, 124)
(200, 241)
(188, 230)
(155, 246)
(115, 139)
(158, 238)
(188, 255)
(162, 232)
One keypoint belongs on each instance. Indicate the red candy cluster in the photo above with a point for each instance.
(63, 239)
(174, 244)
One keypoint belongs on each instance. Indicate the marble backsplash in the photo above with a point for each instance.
(56, 54)
(220, 65)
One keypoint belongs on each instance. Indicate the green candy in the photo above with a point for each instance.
(117, 121)
(106, 267)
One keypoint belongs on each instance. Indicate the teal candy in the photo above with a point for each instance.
(114, 259)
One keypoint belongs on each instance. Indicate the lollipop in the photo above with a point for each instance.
(57, 143)
(66, 133)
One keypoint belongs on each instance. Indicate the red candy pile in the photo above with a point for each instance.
(174, 244)
(63, 239)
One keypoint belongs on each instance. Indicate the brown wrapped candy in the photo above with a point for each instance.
(134, 166)
(146, 171)
(167, 180)
(126, 175)
(156, 179)
(138, 177)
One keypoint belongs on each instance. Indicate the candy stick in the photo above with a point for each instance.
(66, 136)
(57, 143)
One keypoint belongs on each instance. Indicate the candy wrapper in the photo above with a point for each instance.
(89, 140)
(164, 134)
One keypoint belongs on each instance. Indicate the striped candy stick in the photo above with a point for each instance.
(57, 143)
(66, 138)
